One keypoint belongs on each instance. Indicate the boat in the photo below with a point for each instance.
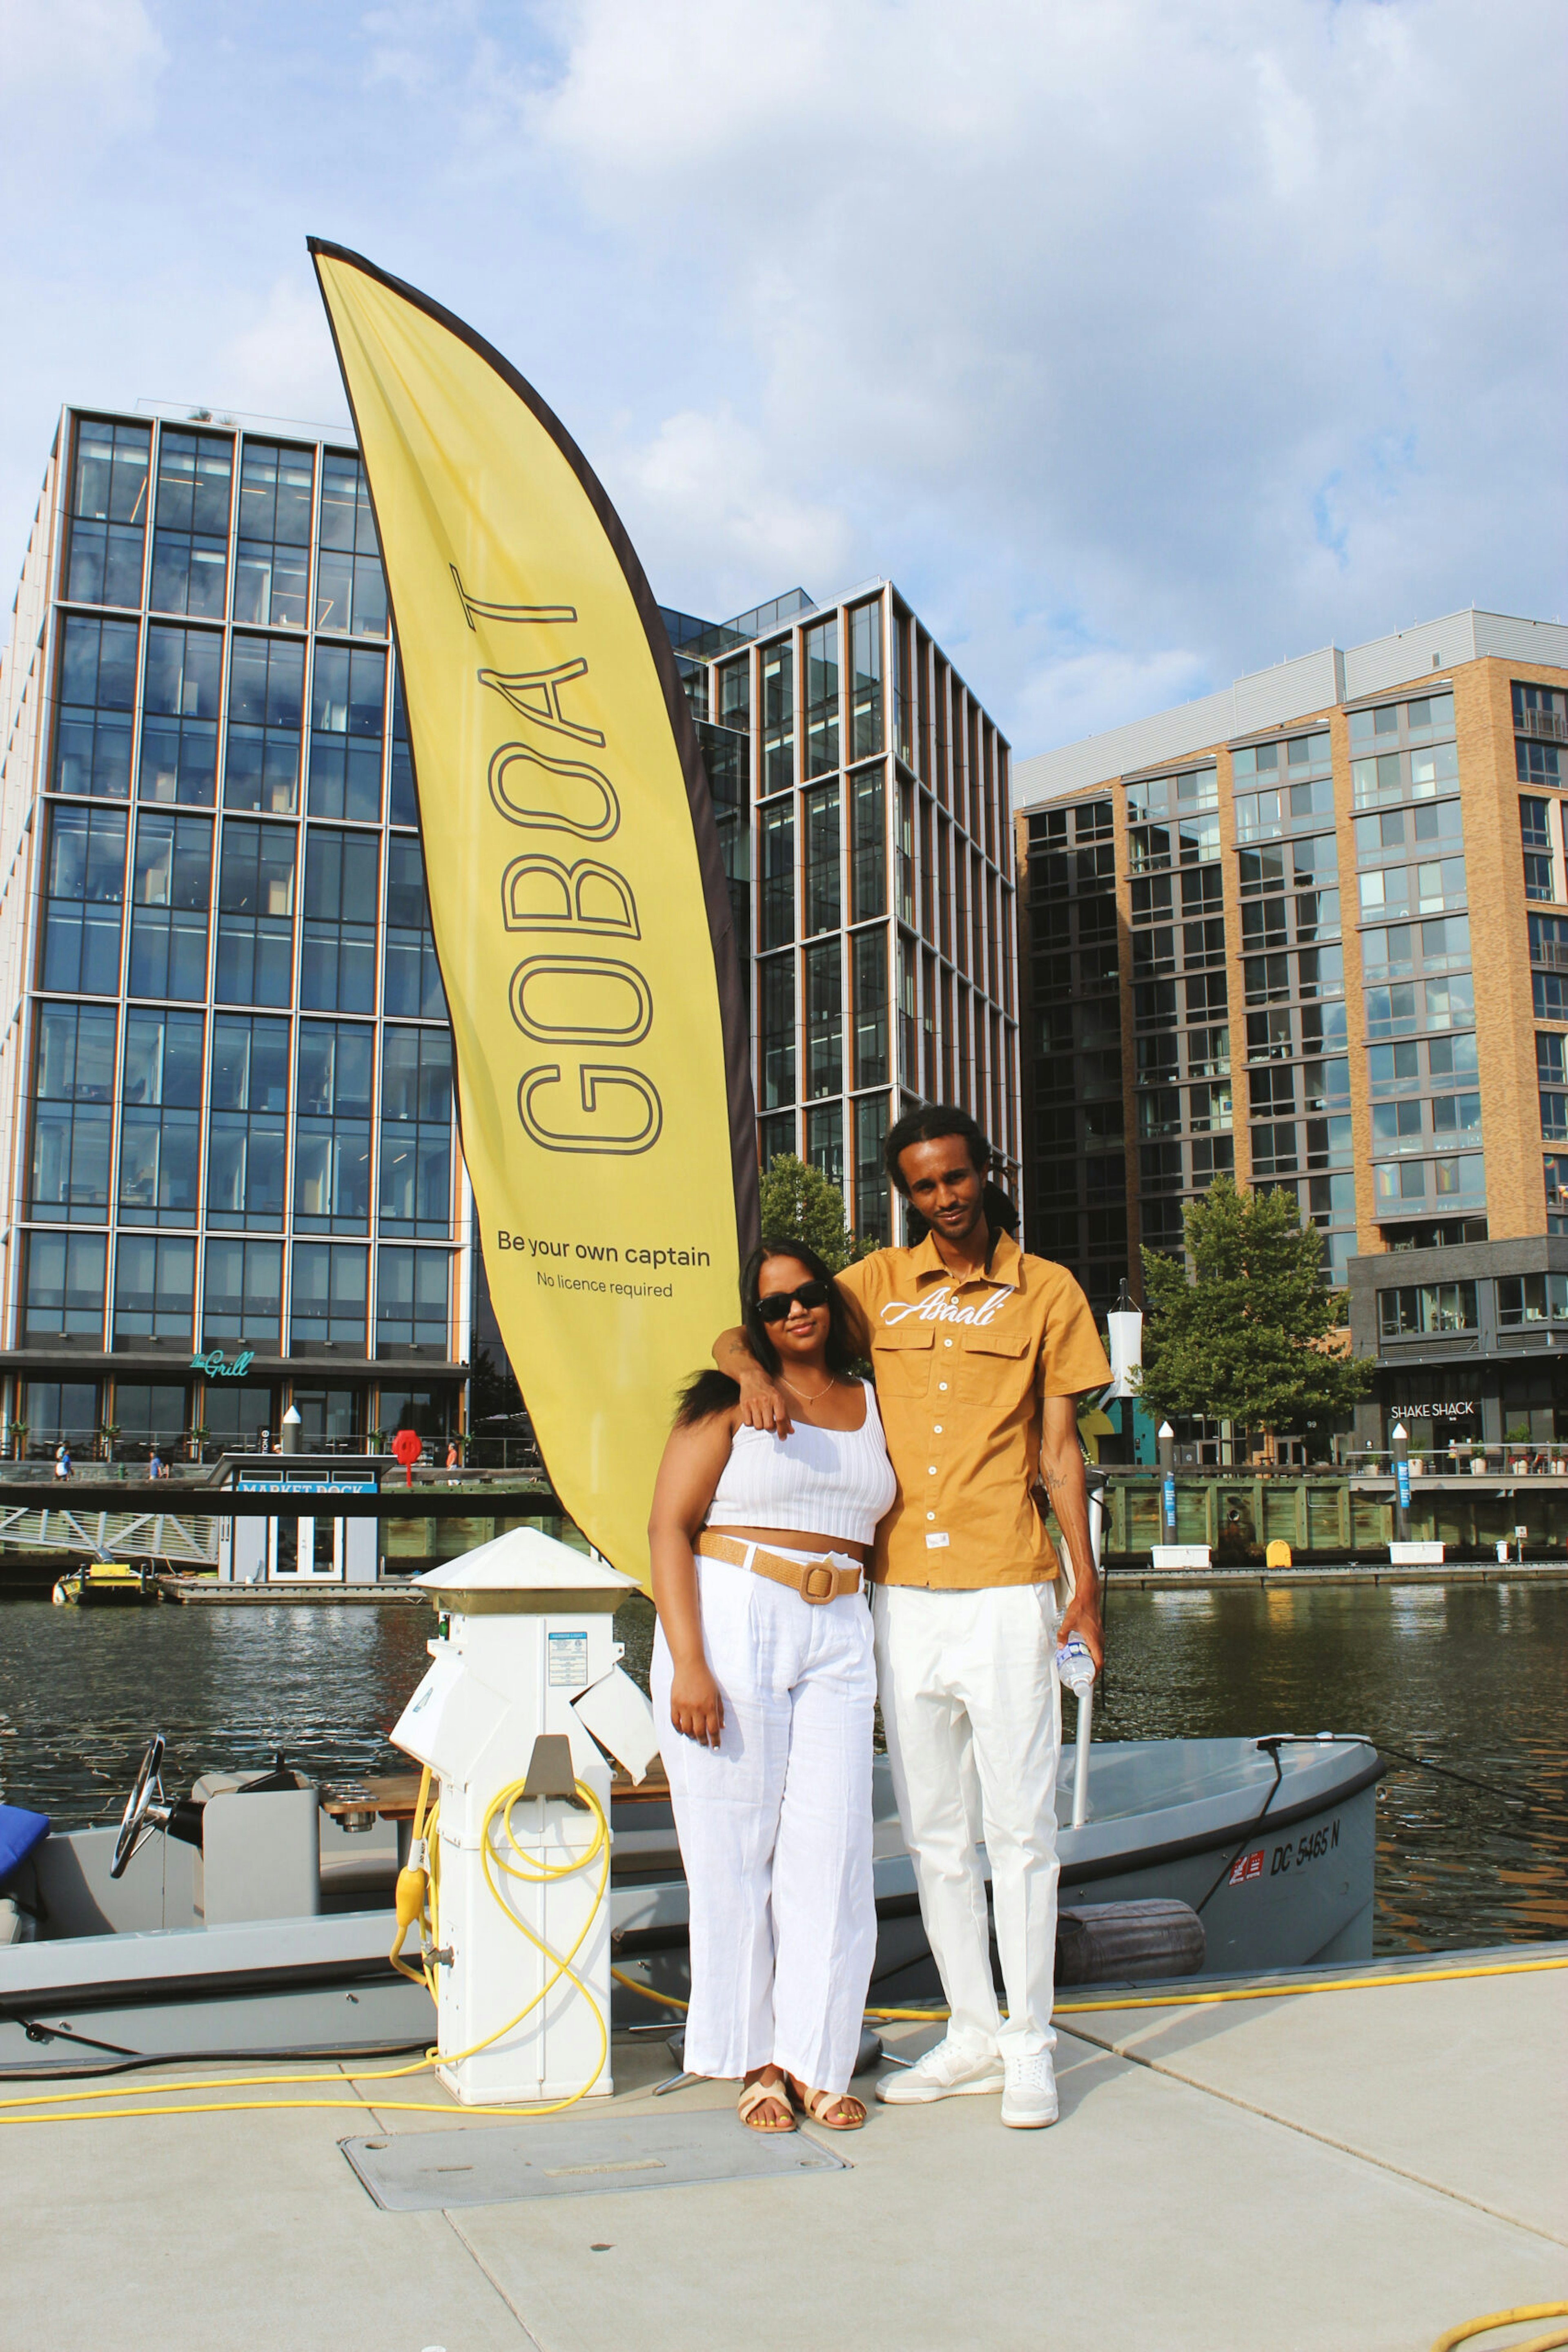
(236, 1933)
(106, 1584)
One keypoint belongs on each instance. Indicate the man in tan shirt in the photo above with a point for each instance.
(980, 1354)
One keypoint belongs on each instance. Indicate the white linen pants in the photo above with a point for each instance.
(775, 1829)
(972, 1710)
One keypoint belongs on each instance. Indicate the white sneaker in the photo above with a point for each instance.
(1028, 2096)
(942, 2073)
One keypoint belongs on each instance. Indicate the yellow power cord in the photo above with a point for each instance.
(526, 1867)
(1520, 2312)
(1186, 2000)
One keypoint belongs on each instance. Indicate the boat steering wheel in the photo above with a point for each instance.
(146, 1809)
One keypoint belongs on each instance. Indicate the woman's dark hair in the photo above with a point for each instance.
(932, 1123)
(714, 1392)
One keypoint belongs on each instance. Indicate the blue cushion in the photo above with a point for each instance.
(20, 1831)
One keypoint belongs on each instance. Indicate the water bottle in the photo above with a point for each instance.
(1074, 1666)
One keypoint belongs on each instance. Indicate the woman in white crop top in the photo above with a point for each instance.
(763, 1674)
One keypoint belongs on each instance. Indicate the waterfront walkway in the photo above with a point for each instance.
(1325, 2172)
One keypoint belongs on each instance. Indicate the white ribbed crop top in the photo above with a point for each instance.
(830, 1482)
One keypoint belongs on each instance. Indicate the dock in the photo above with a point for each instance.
(1275, 2170)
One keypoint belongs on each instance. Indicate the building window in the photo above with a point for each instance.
(416, 1132)
(403, 801)
(347, 693)
(873, 1207)
(170, 892)
(154, 1290)
(819, 650)
(825, 1142)
(1537, 764)
(73, 1090)
(868, 844)
(903, 695)
(778, 716)
(776, 913)
(414, 988)
(159, 1125)
(824, 1020)
(255, 914)
(64, 1293)
(179, 716)
(327, 1307)
(775, 1138)
(908, 1017)
(350, 587)
(149, 1415)
(108, 509)
(242, 1303)
(272, 565)
(820, 812)
(776, 1029)
(96, 698)
(1529, 1298)
(191, 524)
(332, 1127)
(1429, 1307)
(865, 682)
(338, 960)
(248, 1130)
(266, 689)
(84, 892)
(410, 1301)
(869, 950)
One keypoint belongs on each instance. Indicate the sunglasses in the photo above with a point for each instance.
(777, 1303)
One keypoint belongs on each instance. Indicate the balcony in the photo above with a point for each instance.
(1546, 725)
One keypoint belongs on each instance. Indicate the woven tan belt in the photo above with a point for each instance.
(816, 1583)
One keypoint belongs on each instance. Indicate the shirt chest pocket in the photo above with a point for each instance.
(992, 1365)
(902, 1357)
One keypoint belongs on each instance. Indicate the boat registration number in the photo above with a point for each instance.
(1310, 1847)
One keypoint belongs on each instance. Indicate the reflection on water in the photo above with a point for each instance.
(1468, 1676)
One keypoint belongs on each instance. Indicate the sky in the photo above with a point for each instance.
(1143, 342)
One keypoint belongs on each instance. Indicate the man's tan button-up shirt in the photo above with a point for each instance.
(962, 1368)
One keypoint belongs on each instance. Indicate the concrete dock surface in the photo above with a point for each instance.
(1323, 2171)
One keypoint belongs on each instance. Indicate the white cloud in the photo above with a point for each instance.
(1143, 342)
(702, 490)
(92, 60)
(283, 363)
(1213, 327)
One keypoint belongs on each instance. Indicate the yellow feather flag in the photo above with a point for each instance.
(576, 890)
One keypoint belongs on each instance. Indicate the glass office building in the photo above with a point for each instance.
(233, 1182)
(1311, 932)
(863, 796)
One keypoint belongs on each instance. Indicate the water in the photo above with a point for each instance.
(1470, 1676)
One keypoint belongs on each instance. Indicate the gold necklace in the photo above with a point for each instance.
(832, 1383)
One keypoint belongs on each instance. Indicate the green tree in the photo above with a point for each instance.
(800, 1201)
(1245, 1339)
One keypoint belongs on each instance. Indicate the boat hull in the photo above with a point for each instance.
(1274, 1850)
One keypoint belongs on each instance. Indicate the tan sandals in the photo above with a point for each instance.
(817, 2107)
(757, 2094)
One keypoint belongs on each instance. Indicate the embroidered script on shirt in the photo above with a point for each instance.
(938, 1308)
